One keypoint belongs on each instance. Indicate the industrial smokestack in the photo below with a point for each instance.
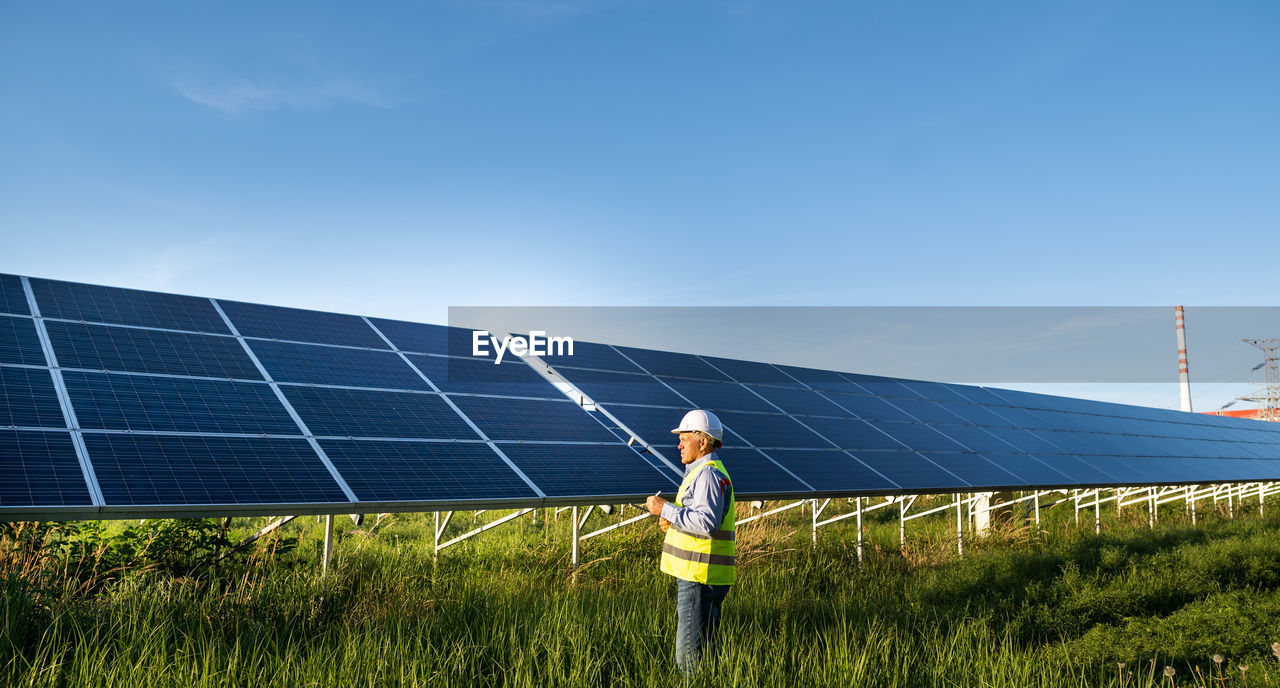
(1184, 377)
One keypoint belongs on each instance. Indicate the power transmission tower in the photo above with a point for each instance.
(1269, 395)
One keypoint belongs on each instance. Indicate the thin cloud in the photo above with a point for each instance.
(240, 95)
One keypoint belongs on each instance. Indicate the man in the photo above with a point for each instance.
(699, 545)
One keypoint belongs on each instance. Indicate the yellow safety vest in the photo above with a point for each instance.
(704, 560)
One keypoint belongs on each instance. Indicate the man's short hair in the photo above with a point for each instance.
(715, 443)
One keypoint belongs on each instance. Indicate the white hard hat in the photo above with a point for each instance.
(698, 420)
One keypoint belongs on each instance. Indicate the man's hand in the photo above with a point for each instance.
(663, 524)
(654, 504)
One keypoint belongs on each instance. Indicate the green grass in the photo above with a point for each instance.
(1055, 608)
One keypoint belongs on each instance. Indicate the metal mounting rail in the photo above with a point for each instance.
(770, 512)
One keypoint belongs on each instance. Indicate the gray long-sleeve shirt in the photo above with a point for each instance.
(705, 501)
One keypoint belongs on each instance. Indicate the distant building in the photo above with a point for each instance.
(1259, 414)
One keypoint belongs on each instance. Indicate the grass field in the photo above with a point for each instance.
(90, 605)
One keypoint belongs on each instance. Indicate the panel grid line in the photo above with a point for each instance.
(315, 445)
(77, 441)
(511, 464)
(692, 405)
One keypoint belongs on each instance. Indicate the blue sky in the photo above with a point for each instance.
(399, 158)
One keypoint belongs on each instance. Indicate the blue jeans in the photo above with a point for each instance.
(697, 616)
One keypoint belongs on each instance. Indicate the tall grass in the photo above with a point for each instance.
(1054, 607)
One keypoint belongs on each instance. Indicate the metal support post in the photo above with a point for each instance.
(902, 523)
(1191, 502)
(576, 525)
(959, 524)
(1261, 494)
(328, 544)
(1037, 500)
(1097, 511)
(1075, 499)
(1151, 508)
(813, 522)
(859, 531)
(1231, 503)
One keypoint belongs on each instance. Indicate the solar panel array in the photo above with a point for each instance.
(119, 402)
(802, 431)
(116, 402)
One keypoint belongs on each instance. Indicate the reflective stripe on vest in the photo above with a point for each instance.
(695, 558)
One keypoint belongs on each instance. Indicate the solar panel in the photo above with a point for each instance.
(398, 471)
(183, 404)
(28, 399)
(612, 471)
(602, 386)
(40, 469)
(512, 377)
(337, 412)
(148, 403)
(721, 396)
(13, 298)
(533, 420)
(97, 347)
(92, 303)
(328, 365)
(414, 337)
(19, 343)
(292, 324)
(154, 470)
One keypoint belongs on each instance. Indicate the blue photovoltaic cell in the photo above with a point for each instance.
(533, 420)
(976, 470)
(512, 377)
(329, 411)
(753, 473)
(889, 389)
(1030, 469)
(594, 356)
(294, 324)
(28, 399)
(328, 365)
(826, 380)
(653, 425)
(928, 411)
(19, 342)
(585, 469)
(606, 387)
(719, 397)
(977, 395)
(801, 402)
(869, 408)
(97, 347)
(671, 364)
(1032, 442)
(911, 470)
(182, 469)
(921, 438)
(13, 298)
(769, 430)
(94, 303)
(831, 471)
(415, 337)
(1019, 418)
(1088, 470)
(854, 434)
(387, 471)
(934, 391)
(977, 415)
(976, 439)
(751, 372)
(109, 401)
(40, 469)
